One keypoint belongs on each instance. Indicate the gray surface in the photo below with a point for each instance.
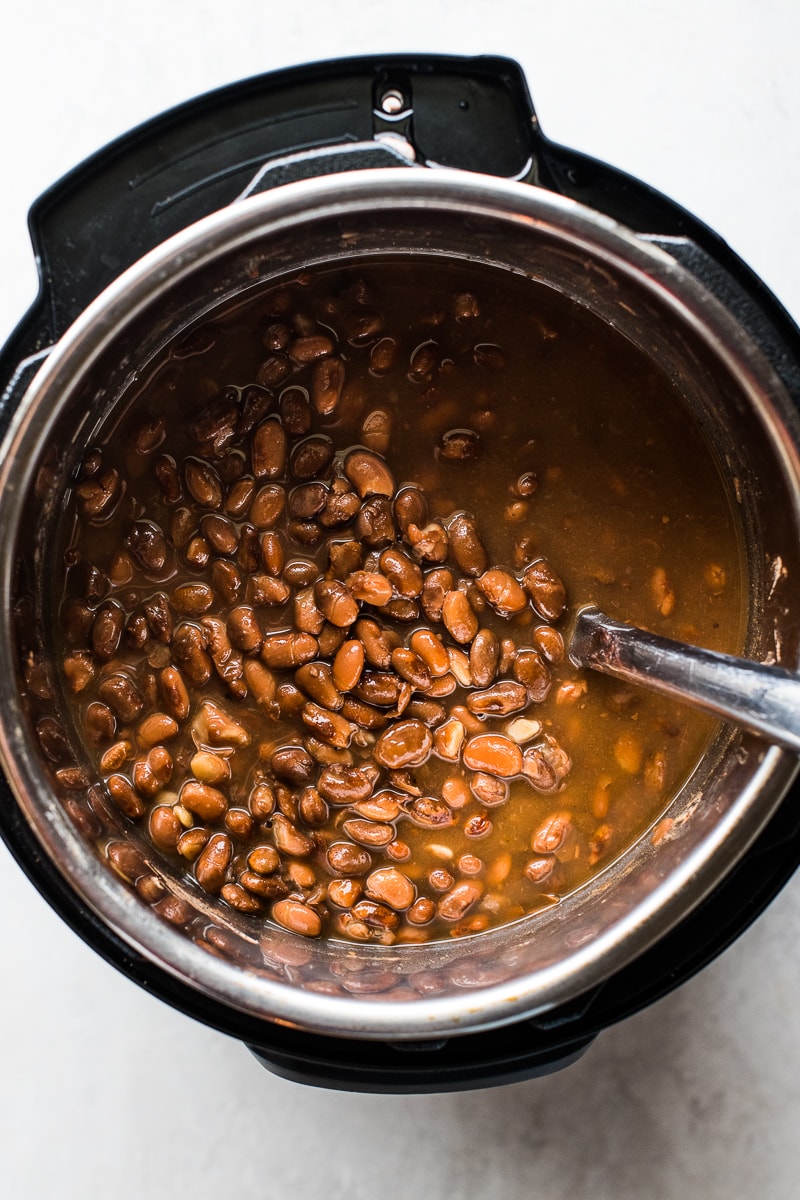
(105, 1091)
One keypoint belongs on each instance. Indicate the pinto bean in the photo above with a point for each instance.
(335, 602)
(289, 839)
(345, 858)
(312, 457)
(484, 658)
(549, 643)
(316, 679)
(369, 474)
(459, 900)
(348, 665)
(407, 743)
(532, 672)
(329, 727)
(189, 650)
(164, 827)
(410, 508)
(340, 784)
(327, 383)
(288, 649)
(546, 590)
(292, 764)
(368, 833)
(107, 627)
(375, 523)
(459, 617)
(203, 483)
(498, 700)
(152, 773)
(211, 867)
(297, 917)
(493, 753)
(429, 543)
(390, 886)
(122, 792)
(410, 667)
(377, 644)
(402, 572)
(309, 349)
(502, 591)
(466, 547)
(268, 450)
(191, 599)
(244, 630)
(147, 544)
(268, 506)
(429, 812)
(551, 834)
(369, 587)
(122, 696)
(206, 802)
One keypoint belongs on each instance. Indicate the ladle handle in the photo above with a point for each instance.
(762, 699)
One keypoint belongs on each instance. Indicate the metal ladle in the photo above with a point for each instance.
(757, 697)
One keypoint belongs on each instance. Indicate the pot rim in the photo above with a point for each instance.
(175, 261)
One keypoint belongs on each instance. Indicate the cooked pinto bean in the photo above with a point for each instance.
(499, 700)
(494, 754)
(466, 547)
(459, 617)
(503, 592)
(407, 743)
(348, 665)
(268, 451)
(546, 590)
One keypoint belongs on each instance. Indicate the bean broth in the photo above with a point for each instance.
(320, 564)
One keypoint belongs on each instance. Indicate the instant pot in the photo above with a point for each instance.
(446, 127)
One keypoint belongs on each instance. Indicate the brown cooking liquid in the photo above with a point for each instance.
(496, 398)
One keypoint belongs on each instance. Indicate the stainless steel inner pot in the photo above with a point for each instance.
(631, 283)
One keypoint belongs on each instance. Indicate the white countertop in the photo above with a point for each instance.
(105, 1091)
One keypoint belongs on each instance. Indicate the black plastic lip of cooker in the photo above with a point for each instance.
(473, 113)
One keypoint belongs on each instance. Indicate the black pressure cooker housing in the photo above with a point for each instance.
(475, 114)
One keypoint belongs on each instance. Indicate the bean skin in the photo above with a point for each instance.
(269, 451)
(164, 827)
(458, 902)
(484, 658)
(297, 917)
(107, 628)
(459, 617)
(437, 584)
(546, 590)
(206, 802)
(466, 547)
(407, 743)
(503, 592)
(369, 474)
(348, 665)
(328, 726)
(327, 382)
(125, 797)
(391, 887)
(203, 483)
(498, 700)
(288, 649)
(211, 867)
(494, 754)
